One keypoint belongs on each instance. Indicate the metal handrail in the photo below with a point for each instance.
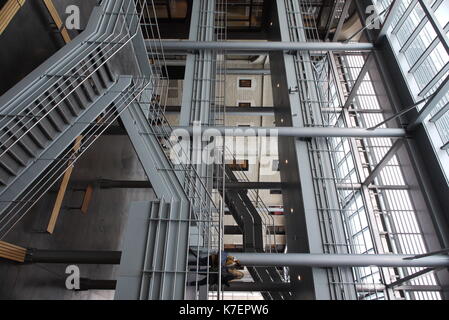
(67, 159)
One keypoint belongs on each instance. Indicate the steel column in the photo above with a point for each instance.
(315, 132)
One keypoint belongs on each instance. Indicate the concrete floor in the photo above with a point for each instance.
(112, 157)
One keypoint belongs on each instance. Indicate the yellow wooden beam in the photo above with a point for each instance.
(12, 252)
(87, 198)
(8, 12)
(57, 20)
(62, 190)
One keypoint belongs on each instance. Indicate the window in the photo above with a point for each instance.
(276, 191)
(239, 165)
(245, 104)
(245, 83)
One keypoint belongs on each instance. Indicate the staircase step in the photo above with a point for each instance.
(77, 99)
(9, 165)
(49, 112)
(17, 154)
(61, 108)
(42, 124)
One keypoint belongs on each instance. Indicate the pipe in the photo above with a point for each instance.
(89, 284)
(72, 256)
(262, 46)
(315, 132)
(339, 260)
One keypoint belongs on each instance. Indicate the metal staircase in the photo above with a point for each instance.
(150, 270)
(53, 115)
(254, 227)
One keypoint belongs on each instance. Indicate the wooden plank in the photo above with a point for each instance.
(9, 245)
(53, 13)
(87, 198)
(65, 35)
(57, 20)
(12, 252)
(62, 190)
(8, 12)
(59, 199)
(77, 144)
(6, 253)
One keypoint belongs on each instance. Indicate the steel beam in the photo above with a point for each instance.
(440, 113)
(112, 184)
(431, 104)
(264, 46)
(435, 23)
(339, 260)
(383, 162)
(342, 19)
(254, 185)
(315, 132)
(410, 277)
(89, 284)
(355, 88)
(73, 257)
(389, 19)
